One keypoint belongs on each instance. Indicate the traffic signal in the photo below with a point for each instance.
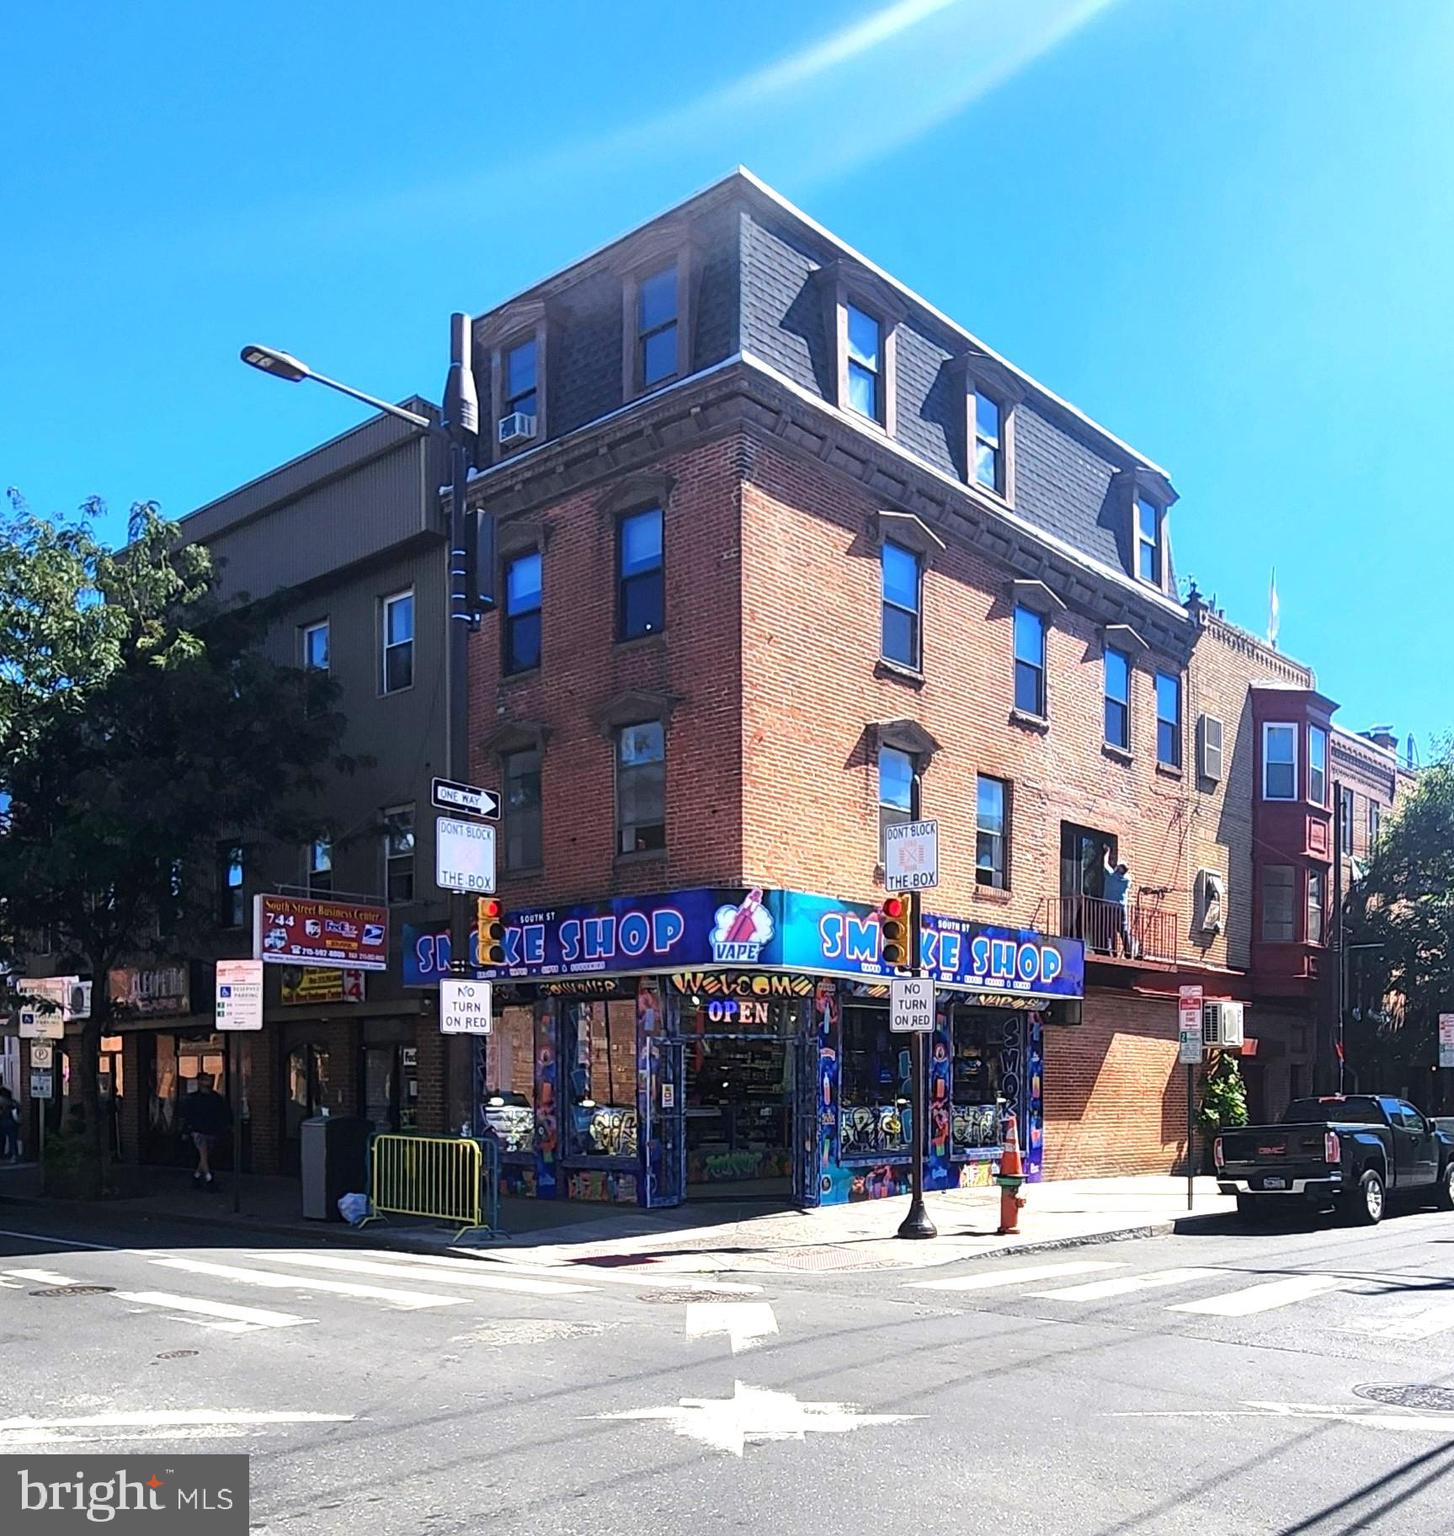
(894, 929)
(490, 931)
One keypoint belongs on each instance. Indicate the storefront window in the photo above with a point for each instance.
(307, 1086)
(875, 1085)
(162, 1107)
(507, 1080)
(603, 1120)
(978, 1080)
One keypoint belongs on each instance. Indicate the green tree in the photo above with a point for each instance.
(141, 724)
(1402, 922)
(1224, 1095)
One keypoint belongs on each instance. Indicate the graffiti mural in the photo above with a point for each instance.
(973, 1126)
(547, 1102)
(873, 1130)
(607, 1185)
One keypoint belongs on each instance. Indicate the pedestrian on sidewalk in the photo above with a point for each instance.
(206, 1119)
(9, 1126)
(1116, 889)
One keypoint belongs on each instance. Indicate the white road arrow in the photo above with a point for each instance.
(755, 1414)
(746, 1323)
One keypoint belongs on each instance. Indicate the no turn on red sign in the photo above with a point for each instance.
(465, 1007)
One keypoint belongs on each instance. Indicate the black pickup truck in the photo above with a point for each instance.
(1354, 1152)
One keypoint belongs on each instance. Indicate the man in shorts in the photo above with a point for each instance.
(206, 1119)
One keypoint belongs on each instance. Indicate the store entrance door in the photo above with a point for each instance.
(739, 1116)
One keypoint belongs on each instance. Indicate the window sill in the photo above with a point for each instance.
(523, 675)
(655, 640)
(1168, 772)
(898, 672)
(525, 872)
(641, 856)
(1119, 754)
(1001, 895)
(1030, 722)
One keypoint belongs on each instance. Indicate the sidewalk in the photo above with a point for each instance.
(714, 1238)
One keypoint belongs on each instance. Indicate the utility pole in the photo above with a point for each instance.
(1340, 955)
(917, 1223)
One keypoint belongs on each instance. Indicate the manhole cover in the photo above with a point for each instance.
(681, 1296)
(75, 1290)
(1441, 1398)
(176, 1354)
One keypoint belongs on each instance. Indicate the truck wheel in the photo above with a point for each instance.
(1253, 1209)
(1445, 1192)
(1366, 1203)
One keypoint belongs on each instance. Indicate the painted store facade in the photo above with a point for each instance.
(728, 1043)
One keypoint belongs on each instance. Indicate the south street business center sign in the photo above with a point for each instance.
(713, 928)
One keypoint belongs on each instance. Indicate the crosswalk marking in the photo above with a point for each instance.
(412, 1300)
(642, 1277)
(1019, 1274)
(1410, 1326)
(1262, 1297)
(40, 1276)
(1124, 1285)
(478, 1278)
(221, 1315)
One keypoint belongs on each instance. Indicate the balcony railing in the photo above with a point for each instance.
(1141, 931)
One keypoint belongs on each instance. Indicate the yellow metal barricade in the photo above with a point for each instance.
(439, 1177)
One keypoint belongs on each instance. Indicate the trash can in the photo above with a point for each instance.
(334, 1150)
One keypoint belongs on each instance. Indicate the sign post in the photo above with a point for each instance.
(1189, 1052)
(911, 863)
(239, 1007)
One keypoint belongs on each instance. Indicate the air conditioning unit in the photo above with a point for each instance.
(1209, 747)
(517, 427)
(1222, 1025)
(1211, 900)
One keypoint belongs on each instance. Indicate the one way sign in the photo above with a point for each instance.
(450, 795)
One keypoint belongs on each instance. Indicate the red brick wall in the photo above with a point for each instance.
(1115, 1096)
(697, 662)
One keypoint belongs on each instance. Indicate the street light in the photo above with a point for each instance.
(471, 545)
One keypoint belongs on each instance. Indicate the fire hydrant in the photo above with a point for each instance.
(1010, 1177)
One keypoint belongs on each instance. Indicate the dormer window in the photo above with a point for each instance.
(656, 327)
(989, 463)
(1150, 562)
(520, 394)
(865, 349)
(519, 384)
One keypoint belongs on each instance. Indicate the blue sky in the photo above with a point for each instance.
(1225, 231)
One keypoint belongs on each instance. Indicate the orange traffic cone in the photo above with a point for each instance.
(1011, 1176)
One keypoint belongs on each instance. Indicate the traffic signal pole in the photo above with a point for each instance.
(917, 1223)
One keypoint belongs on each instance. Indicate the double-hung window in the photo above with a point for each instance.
(656, 327)
(397, 633)
(1148, 541)
(1279, 761)
(1029, 661)
(641, 590)
(1277, 903)
(1317, 905)
(902, 591)
(1374, 822)
(895, 789)
(989, 457)
(1317, 765)
(641, 787)
(523, 845)
(1345, 819)
(520, 380)
(399, 853)
(231, 897)
(320, 866)
(1118, 699)
(522, 612)
(865, 354)
(992, 833)
(1168, 719)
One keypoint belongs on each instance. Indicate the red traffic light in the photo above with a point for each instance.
(894, 906)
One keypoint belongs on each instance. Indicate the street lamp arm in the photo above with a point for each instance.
(412, 417)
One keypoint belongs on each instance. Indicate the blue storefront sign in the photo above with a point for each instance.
(706, 927)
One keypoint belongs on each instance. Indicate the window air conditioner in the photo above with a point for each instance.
(1222, 1025)
(517, 427)
(1209, 747)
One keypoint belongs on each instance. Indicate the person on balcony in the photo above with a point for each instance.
(1116, 890)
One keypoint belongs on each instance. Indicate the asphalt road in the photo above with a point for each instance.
(1209, 1383)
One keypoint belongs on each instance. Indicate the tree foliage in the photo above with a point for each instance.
(141, 725)
(1401, 963)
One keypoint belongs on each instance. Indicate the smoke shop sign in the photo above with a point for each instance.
(708, 930)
